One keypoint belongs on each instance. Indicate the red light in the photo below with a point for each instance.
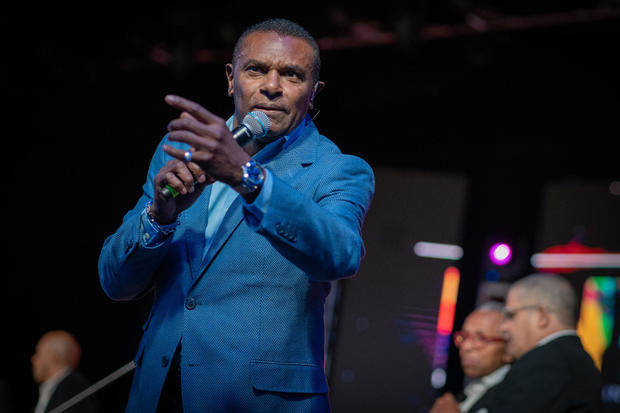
(447, 304)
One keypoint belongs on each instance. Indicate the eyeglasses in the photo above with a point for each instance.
(510, 314)
(476, 340)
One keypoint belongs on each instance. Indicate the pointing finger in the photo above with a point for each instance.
(192, 108)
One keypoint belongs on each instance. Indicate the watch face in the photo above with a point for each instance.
(253, 175)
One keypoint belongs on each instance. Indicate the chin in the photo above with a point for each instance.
(471, 373)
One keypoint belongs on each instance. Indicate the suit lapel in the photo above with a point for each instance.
(196, 219)
(301, 153)
(231, 221)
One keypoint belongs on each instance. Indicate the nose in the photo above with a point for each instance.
(504, 328)
(272, 87)
(466, 345)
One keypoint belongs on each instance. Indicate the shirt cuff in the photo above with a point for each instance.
(153, 235)
(258, 208)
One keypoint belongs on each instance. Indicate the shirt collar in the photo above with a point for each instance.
(48, 386)
(496, 376)
(295, 133)
(477, 387)
(487, 381)
(555, 335)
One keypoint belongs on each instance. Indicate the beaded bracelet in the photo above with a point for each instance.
(164, 229)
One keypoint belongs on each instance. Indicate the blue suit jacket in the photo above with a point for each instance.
(250, 313)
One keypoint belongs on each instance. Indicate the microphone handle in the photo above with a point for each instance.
(242, 135)
(168, 192)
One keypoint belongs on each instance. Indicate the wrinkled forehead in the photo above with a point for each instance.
(271, 47)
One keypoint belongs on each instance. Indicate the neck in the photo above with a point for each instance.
(253, 147)
(56, 372)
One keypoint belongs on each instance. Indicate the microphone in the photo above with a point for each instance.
(255, 124)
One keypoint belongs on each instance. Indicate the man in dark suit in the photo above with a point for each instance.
(57, 355)
(552, 372)
(483, 360)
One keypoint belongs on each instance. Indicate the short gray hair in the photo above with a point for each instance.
(552, 292)
(491, 306)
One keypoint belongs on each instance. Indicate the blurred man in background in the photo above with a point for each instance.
(483, 359)
(551, 372)
(54, 368)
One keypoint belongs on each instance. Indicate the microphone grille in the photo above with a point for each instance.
(258, 123)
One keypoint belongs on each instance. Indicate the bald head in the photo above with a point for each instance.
(55, 351)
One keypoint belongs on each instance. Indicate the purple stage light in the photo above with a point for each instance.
(500, 253)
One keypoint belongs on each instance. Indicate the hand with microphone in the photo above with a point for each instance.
(216, 154)
(255, 125)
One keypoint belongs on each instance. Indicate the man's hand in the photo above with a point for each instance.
(216, 156)
(215, 150)
(445, 404)
(188, 179)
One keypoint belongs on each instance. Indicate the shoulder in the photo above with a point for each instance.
(567, 350)
(540, 358)
(319, 154)
(74, 380)
(330, 154)
(563, 359)
(576, 357)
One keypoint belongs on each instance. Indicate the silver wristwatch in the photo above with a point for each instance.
(253, 176)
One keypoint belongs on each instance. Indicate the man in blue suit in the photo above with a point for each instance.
(241, 257)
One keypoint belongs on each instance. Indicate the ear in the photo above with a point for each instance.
(544, 318)
(318, 86)
(230, 76)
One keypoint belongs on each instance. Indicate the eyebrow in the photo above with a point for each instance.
(294, 67)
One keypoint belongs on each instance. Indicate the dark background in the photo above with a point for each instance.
(534, 97)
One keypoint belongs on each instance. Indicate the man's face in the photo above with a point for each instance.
(519, 325)
(273, 74)
(479, 358)
(41, 361)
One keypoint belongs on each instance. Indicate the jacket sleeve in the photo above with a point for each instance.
(126, 266)
(319, 229)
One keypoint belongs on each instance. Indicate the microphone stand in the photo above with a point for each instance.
(95, 387)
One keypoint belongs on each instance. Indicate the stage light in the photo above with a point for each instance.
(575, 260)
(447, 303)
(437, 250)
(438, 378)
(500, 253)
(492, 275)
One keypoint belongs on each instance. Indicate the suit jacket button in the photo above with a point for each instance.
(164, 361)
(190, 303)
